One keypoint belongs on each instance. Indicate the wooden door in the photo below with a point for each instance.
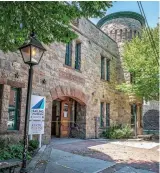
(53, 126)
(65, 118)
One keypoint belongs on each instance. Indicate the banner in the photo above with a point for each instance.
(37, 111)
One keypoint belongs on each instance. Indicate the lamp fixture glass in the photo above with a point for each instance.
(32, 51)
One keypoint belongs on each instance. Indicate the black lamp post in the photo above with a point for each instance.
(32, 51)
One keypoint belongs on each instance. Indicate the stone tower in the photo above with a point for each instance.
(122, 26)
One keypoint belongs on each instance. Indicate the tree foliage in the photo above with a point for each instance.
(50, 20)
(140, 59)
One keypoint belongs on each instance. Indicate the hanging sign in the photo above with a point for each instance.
(37, 111)
(36, 127)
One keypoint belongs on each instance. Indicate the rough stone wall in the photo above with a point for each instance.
(79, 127)
(86, 82)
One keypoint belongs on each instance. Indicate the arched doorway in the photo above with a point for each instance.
(68, 113)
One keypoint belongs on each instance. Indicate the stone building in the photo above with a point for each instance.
(78, 80)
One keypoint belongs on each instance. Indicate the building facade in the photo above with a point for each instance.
(78, 80)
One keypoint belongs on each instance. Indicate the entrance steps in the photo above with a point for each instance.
(146, 137)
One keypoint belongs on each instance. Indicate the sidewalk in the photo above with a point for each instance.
(57, 161)
(51, 160)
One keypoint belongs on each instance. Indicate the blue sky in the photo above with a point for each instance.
(151, 9)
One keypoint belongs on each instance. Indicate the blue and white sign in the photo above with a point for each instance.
(37, 108)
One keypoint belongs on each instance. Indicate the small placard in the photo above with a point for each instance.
(36, 127)
(65, 114)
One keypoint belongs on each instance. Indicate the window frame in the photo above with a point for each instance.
(16, 110)
(103, 67)
(68, 55)
(78, 56)
(107, 70)
(107, 115)
(101, 114)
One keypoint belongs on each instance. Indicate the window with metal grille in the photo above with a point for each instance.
(107, 115)
(78, 56)
(68, 56)
(13, 109)
(102, 115)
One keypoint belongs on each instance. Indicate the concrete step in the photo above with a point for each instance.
(145, 137)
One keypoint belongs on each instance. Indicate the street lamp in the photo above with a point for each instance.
(32, 51)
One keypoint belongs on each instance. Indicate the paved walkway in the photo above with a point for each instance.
(52, 160)
(57, 161)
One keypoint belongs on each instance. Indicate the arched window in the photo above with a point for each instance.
(135, 32)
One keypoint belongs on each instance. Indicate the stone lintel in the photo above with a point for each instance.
(5, 81)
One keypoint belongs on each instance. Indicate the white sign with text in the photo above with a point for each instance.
(36, 127)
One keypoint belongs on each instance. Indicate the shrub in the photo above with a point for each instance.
(3, 143)
(32, 145)
(117, 132)
(12, 150)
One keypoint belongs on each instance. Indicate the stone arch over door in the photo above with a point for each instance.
(75, 96)
(63, 91)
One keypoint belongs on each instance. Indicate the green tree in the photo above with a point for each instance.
(50, 20)
(140, 60)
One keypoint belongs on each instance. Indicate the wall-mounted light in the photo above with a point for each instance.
(16, 75)
(44, 81)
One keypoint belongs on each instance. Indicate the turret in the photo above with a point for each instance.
(121, 27)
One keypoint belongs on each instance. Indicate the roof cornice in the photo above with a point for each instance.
(123, 14)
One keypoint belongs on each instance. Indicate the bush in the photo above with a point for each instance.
(3, 143)
(32, 145)
(118, 132)
(12, 150)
